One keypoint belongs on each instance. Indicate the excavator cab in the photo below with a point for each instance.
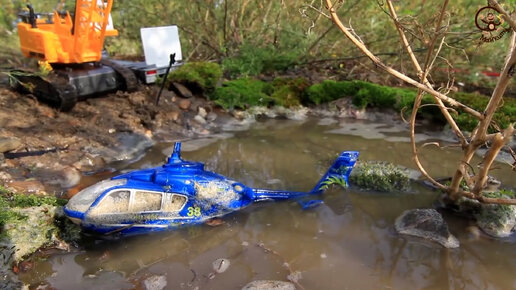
(71, 43)
(60, 38)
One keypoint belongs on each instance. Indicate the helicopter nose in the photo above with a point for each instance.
(75, 216)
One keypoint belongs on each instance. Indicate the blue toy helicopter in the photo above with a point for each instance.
(176, 194)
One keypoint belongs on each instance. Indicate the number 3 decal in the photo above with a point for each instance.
(194, 211)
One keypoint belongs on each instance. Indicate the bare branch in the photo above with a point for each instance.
(396, 73)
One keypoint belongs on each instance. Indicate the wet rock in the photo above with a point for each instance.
(184, 104)
(221, 265)
(380, 176)
(5, 177)
(497, 220)
(427, 224)
(69, 177)
(199, 119)
(155, 282)
(130, 146)
(211, 117)
(294, 113)
(202, 112)
(27, 186)
(180, 90)
(90, 163)
(9, 144)
(269, 284)
(24, 237)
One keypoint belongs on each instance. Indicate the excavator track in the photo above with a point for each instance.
(54, 90)
(130, 82)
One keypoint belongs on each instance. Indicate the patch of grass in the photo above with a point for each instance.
(253, 60)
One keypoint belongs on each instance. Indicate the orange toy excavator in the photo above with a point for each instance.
(73, 48)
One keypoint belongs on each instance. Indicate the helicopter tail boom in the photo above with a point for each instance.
(338, 173)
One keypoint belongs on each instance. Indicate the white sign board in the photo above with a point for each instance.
(159, 43)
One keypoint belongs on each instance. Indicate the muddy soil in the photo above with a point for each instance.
(48, 152)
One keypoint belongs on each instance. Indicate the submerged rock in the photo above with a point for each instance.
(27, 186)
(155, 282)
(497, 220)
(269, 284)
(427, 224)
(221, 265)
(380, 176)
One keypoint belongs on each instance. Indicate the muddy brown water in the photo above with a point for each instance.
(346, 243)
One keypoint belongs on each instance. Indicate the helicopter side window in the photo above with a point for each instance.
(146, 201)
(174, 203)
(114, 202)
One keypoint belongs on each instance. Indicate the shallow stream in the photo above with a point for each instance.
(346, 243)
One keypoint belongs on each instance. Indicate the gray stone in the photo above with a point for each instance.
(202, 112)
(427, 224)
(269, 284)
(9, 143)
(497, 220)
(211, 117)
(200, 120)
(69, 177)
(181, 90)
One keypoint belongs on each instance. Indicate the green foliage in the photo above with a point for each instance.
(380, 176)
(253, 60)
(243, 93)
(204, 75)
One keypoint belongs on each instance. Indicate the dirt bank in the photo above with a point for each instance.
(47, 151)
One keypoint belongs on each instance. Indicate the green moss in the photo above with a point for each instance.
(504, 116)
(288, 92)
(10, 201)
(243, 93)
(329, 90)
(503, 193)
(380, 176)
(203, 75)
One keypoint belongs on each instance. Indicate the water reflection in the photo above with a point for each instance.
(347, 242)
